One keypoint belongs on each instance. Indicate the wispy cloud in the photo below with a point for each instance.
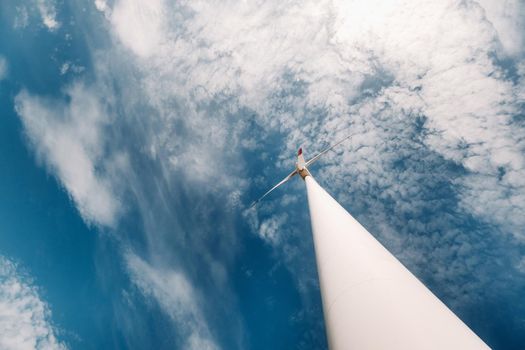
(68, 137)
(21, 18)
(25, 319)
(177, 297)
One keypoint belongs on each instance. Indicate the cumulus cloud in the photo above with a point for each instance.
(177, 297)
(69, 138)
(24, 316)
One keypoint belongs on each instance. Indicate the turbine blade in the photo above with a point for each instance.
(292, 174)
(317, 156)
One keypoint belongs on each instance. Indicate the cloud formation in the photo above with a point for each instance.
(507, 19)
(69, 138)
(138, 24)
(24, 316)
(48, 14)
(455, 82)
(432, 92)
(178, 299)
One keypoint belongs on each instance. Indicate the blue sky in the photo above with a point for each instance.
(135, 135)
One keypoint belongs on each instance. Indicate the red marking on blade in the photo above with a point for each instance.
(300, 151)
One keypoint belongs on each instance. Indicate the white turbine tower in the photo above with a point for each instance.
(370, 300)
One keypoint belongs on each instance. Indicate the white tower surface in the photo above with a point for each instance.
(370, 300)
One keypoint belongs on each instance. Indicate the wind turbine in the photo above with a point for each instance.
(300, 168)
(371, 301)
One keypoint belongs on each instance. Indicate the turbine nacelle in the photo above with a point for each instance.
(300, 165)
(300, 168)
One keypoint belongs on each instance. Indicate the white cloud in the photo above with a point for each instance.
(177, 297)
(315, 71)
(24, 317)
(70, 139)
(70, 67)
(48, 13)
(138, 24)
(508, 18)
(438, 54)
(101, 5)
(439, 47)
(65, 68)
(270, 229)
